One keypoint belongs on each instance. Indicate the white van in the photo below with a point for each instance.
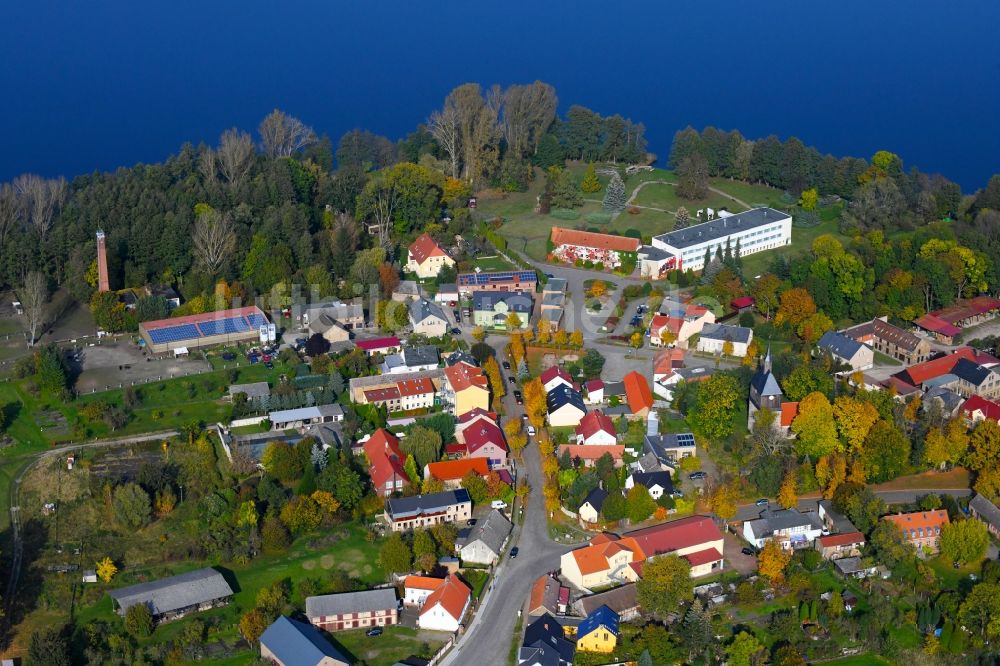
(498, 504)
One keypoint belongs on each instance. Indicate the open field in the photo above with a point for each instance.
(394, 645)
(955, 478)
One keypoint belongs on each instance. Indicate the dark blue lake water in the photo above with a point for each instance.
(101, 84)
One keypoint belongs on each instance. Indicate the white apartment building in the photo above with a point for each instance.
(755, 230)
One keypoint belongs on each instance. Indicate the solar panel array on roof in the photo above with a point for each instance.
(500, 276)
(685, 439)
(256, 320)
(223, 326)
(174, 333)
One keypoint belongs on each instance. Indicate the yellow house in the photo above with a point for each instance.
(426, 258)
(466, 388)
(598, 632)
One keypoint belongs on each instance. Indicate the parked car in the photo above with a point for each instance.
(458, 315)
(456, 331)
(514, 551)
(226, 356)
(374, 631)
(531, 431)
(695, 476)
(762, 502)
(524, 417)
(748, 551)
(498, 504)
(511, 379)
(506, 365)
(549, 275)
(518, 397)
(266, 358)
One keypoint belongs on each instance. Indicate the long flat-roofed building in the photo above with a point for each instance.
(222, 327)
(176, 596)
(755, 230)
(497, 281)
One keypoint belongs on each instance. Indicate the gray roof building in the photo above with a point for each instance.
(564, 395)
(986, 511)
(289, 641)
(653, 479)
(839, 345)
(516, 301)
(721, 227)
(726, 332)
(176, 593)
(252, 391)
(401, 508)
(461, 357)
(422, 309)
(318, 414)
(667, 446)
(622, 600)
(366, 601)
(555, 285)
(422, 355)
(595, 498)
(492, 532)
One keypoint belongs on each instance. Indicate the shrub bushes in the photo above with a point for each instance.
(565, 214)
(598, 217)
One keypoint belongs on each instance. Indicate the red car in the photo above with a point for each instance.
(265, 358)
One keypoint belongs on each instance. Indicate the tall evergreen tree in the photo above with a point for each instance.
(697, 628)
(708, 258)
(590, 183)
(614, 197)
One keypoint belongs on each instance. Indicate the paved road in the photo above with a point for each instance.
(489, 636)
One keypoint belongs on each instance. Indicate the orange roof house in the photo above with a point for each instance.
(921, 528)
(385, 463)
(444, 608)
(451, 472)
(789, 410)
(466, 388)
(562, 236)
(589, 454)
(426, 258)
(637, 394)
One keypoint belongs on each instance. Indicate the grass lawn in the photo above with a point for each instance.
(907, 635)
(954, 478)
(395, 644)
(948, 575)
(859, 660)
(802, 238)
(664, 196)
(495, 263)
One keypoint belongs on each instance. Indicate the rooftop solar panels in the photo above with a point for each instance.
(223, 326)
(499, 276)
(685, 439)
(256, 320)
(174, 333)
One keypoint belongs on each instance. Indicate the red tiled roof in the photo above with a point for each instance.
(742, 302)
(637, 392)
(561, 236)
(544, 593)
(456, 449)
(706, 556)
(455, 470)
(659, 322)
(452, 594)
(555, 371)
(915, 375)
(593, 451)
(382, 449)
(933, 324)
(846, 539)
(382, 394)
(595, 422)
(408, 387)
(425, 247)
(594, 385)
(479, 435)
(422, 583)
(667, 360)
(676, 534)
(789, 410)
(462, 377)
(377, 343)
(967, 308)
(990, 409)
(925, 520)
(475, 413)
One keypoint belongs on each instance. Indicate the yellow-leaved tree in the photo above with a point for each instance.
(106, 570)
(772, 561)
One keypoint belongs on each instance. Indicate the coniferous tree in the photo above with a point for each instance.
(682, 219)
(614, 197)
(708, 258)
(590, 183)
(697, 628)
(727, 255)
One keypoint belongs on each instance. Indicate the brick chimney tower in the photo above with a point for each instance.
(102, 264)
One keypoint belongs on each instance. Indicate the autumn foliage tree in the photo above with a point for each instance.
(534, 402)
(497, 385)
(815, 427)
(772, 561)
(788, 496)
(796, 306)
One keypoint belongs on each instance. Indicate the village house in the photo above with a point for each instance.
(383, 346)
(553, 377)
(789, 527)
(411, 359)
(353, 610)
(570, 245)
(715, 338)
(385, 463)
(977, 409)
(416, 589)
(677, 322)
(565, 407)
(497, 281)
(669, 448)
(890, 340)
(947, 323)
(407, 513)
(495, 310)
(598, 632)
(545, 596)
(302, 417)
(609, 558)
(638, 396)
(406, 291)
(483, 542)
(588, 455)
(174, 597)
(982, 509)
(848, 351)
(836, 546)
(428, 318)
(623, 600)
(657, 483)
(465, 388)
(445, 607)
(595, 392)
(288, 642)
(333, 320)
(920, 528)
(252, 391)
(482, 437)
(451, 472)
(596, 428)
(426, 258)
(590, 510)
(545, 644)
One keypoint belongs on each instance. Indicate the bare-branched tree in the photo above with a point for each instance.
(10, 211)
(40, 200)
(33, 295)
(443, 125)
(213, 240)
(282, 135)
(236, 156)
(209, 165)
(528, 112)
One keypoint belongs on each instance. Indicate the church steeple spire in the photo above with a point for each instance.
(767, 359)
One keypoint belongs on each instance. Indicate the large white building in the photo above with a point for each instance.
(755, 230)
